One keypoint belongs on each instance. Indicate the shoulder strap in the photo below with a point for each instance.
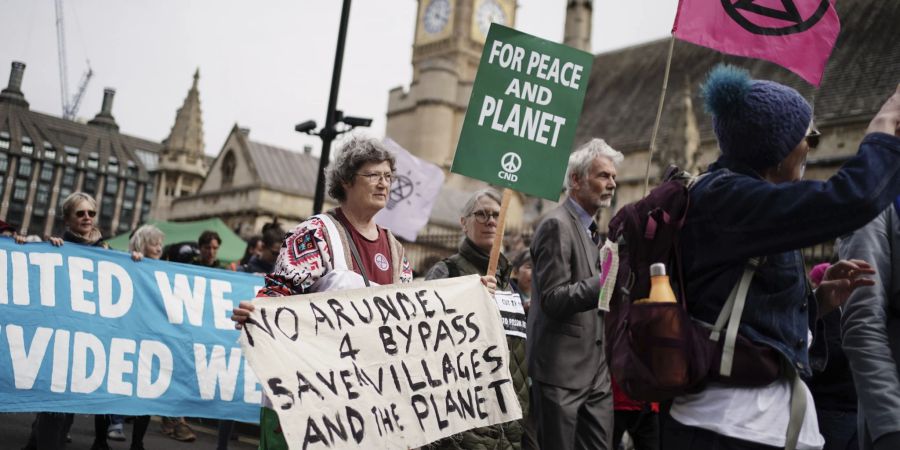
(798, 410)
(338, 260)
(731, 314)
(338, 248)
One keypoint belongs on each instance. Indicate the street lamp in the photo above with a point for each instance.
(327, 134)
(332, 115)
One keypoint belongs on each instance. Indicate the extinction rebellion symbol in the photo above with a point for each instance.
(511, 163)
(745, 11)
(402, 188)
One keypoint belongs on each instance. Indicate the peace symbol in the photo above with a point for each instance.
(511, 162)
(738, 11)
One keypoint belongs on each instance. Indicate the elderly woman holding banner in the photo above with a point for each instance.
(479, 219)
(340, 249)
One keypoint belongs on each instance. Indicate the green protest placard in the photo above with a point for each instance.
(525, 104)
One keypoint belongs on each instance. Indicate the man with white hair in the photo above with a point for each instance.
(571, 396)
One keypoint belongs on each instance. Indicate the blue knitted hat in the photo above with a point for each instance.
(757, 122)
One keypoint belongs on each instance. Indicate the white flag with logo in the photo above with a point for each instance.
(416, 186)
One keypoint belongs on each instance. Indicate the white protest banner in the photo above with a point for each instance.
(416, 186)
(512, 312)
(394, 366)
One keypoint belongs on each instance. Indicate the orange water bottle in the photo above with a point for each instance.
(660, 289)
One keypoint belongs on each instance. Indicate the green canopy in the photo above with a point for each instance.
(232, 248)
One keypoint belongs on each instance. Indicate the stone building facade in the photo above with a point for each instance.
(182, 162)
(44, 158)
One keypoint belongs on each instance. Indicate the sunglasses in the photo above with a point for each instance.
(85, 212)
(812, 139)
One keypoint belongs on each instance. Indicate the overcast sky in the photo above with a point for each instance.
(265, 65)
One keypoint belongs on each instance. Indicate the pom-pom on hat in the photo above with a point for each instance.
(757, 122)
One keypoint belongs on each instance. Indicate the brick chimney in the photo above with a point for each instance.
(105, 118)
(13, 92)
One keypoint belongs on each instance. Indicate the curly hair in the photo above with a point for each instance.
(355, 153)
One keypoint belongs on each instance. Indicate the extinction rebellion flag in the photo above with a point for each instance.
(795, 34)
(416, 186)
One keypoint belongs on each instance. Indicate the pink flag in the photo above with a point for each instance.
(795, 34)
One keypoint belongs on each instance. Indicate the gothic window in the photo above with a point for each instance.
(228, 165)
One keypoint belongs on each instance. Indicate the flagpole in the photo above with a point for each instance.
(498, 238)
(662, 99)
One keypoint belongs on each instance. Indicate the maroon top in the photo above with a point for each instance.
(375, 254)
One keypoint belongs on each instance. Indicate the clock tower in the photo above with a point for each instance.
(426, 118)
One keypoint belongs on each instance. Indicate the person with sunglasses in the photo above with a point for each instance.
(79, 210)
(49, 430)
(478, 220)
(753, 204)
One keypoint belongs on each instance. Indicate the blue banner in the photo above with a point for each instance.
(88, 330)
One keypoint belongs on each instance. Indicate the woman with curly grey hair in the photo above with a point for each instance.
(317, 254)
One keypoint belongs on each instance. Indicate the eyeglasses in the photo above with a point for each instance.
(85, 212)
(812, 139)
(375, 177)
(485, 216)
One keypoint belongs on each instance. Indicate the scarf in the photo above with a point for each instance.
(94, 238)
(479, 259)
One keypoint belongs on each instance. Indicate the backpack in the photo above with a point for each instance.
(656, 351)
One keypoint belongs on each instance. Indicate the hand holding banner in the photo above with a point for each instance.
(88, 330)
(394, 366)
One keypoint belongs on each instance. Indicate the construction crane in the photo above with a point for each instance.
(69, 107)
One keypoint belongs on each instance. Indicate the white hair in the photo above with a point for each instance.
(581, 159)
(469, 207)
(144, 236)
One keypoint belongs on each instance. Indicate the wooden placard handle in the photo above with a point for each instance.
(498, 238)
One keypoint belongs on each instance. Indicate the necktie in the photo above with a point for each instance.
(595, 236)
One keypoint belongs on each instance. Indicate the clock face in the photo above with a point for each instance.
(437, 13)
(490, 11)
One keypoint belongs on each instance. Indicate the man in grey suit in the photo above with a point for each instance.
(570, 394)
(871, 330)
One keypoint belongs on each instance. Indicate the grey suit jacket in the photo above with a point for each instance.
(871, 324)
(565, 328)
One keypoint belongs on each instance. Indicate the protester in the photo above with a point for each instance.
(639, 418)
(146, 242)
(831, 384)
(254, 247)
(49, 430)
(570, 391)
(871, 330)
(209, 243)
(520, 279)
(7, 230)
(479, 223)
(752, 203)
(264, 261)
(313, 257)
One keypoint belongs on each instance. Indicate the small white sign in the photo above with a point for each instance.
(511, 312)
